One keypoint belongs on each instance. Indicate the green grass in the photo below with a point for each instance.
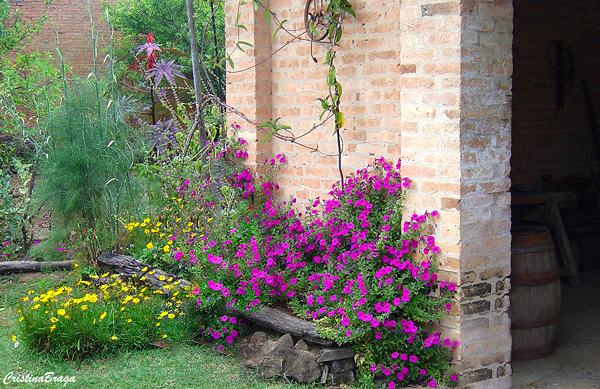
(179, 366)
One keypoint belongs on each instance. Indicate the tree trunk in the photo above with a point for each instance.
(129, 266)
(33, 266)
(287, 324)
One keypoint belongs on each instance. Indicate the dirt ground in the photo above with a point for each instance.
(576, 362)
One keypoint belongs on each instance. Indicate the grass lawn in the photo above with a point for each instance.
(180, 366)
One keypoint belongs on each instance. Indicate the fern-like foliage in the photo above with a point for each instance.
(85, 166)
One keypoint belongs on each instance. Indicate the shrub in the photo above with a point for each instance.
(85, 168)
(353, 264)
(75, 322)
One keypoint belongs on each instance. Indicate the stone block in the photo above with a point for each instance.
(344, 378)
(302, 366)
(301, 345)
(335, 354)
(271, 366)
(342, 365)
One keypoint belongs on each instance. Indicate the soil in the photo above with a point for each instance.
(575, 364)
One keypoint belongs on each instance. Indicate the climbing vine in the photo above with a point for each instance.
(332, 20)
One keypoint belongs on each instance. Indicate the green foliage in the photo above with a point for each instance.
(13, 30)
(30, 87)
(75, 322)
(85, 167)
(167, 21)
(12, 220)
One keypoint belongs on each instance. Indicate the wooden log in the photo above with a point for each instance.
(33, 266)
(266, 317)
(131, 267)
(287, 324)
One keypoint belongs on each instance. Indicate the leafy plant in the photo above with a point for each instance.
(85, 167)
(83, 320)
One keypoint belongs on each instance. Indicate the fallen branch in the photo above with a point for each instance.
(129, 266)
(266, 317)
(33, 266)
(287, 324)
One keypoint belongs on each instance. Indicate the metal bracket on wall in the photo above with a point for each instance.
(315, 20)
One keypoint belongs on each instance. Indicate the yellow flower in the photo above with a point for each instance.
(113, 338)
(146, 231)
(30, 292)
(14, 338)
(84, 307)
(143, 225)
(152, 272)
(163, 314)
(61, 312)
(67, 317)
(149, 246)
(158, 224)
(128, 320)
(158, 324)
(171, 316)
(166, 249)
(105, 274)
(122, 308)
(190, 224)
(164, 336)
(162, 278)
(25, 298)
(21, 318)
(53, 319)
(94, 321)
(103, 316)
(136, 300)
(52, 328)
(147, 220)
(36, 306)
(145, 269)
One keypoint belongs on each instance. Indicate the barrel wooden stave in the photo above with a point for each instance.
(535, 294)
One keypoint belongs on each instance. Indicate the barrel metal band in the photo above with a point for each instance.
(538, 279)
(535, 324)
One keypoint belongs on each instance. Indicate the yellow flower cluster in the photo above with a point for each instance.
(167, 235)
(62, 303)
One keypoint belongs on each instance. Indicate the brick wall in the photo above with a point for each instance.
(546, 141)
(72, 21)
(424, 80)
(485, 149)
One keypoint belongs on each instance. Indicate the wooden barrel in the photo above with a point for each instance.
(535, 293)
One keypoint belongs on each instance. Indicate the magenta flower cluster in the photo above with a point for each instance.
(352, 263)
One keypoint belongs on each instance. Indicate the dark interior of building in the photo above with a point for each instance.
(555, 173)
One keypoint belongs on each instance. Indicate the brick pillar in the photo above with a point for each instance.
(456, 63)
(249, 83)
(485, 116)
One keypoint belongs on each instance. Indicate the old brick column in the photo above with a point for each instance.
(249, 83)
(430, 82)
(455, 110)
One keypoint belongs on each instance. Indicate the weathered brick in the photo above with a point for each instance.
(475, 307)
(477, 290)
